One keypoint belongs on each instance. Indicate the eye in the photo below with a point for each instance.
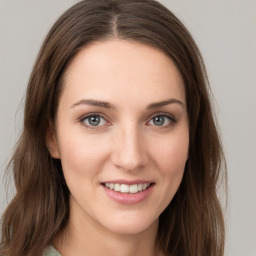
(93, 121)
(162, 120)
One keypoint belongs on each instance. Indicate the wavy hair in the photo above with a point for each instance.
(192, 224)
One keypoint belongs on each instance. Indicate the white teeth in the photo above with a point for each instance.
(140, 186)
(144, 186)
(134, 189)
(124, 188)
(117, 187)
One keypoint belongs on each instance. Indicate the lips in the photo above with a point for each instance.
(128, 192)
(125, 188)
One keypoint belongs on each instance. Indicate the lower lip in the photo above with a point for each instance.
(128, 198)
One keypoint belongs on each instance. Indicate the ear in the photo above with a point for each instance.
(51, 142)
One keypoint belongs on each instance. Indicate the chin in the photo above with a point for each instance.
(131, 226)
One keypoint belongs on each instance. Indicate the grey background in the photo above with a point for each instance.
(226, 34)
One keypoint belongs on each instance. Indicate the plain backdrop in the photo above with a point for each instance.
(225, 31)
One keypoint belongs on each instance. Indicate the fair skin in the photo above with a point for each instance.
(121, 122)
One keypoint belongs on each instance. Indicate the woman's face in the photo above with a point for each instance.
(121, 124)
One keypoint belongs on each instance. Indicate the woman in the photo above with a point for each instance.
(119, 153)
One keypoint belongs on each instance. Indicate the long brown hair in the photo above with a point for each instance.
(192, 224)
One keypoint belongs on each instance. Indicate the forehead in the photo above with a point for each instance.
(122, 69)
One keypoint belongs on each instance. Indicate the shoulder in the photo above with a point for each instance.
(51, 251)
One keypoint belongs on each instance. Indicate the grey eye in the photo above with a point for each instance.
(94, 120)
(159, 120)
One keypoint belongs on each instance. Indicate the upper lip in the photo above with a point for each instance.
(128, 182)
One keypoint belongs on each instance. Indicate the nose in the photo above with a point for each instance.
(129, 149)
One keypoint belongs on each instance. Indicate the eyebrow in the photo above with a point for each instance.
(164, 103)
(107, 105)
(92, 102)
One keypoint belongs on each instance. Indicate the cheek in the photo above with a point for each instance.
(171, 159)
(173, 153)
(81, 156)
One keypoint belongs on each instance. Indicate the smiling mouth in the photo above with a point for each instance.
(128, 189)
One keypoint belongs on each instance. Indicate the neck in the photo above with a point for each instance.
(84, 236)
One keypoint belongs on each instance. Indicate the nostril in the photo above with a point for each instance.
(129, 152)
(129, 161)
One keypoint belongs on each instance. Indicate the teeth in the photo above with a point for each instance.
(144, 186)
(117, 187)
(134, 189)
(124, 188)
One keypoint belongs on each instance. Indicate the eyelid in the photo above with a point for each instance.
(164, 114)
(173, 120)
(171, 117)
(83, 117)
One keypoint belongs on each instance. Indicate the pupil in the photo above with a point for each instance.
(158, 120)
(94, 120)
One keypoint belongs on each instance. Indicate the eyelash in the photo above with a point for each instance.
(171, 119)
(83, 118)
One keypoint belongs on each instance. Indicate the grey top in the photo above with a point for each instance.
(51, 251)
